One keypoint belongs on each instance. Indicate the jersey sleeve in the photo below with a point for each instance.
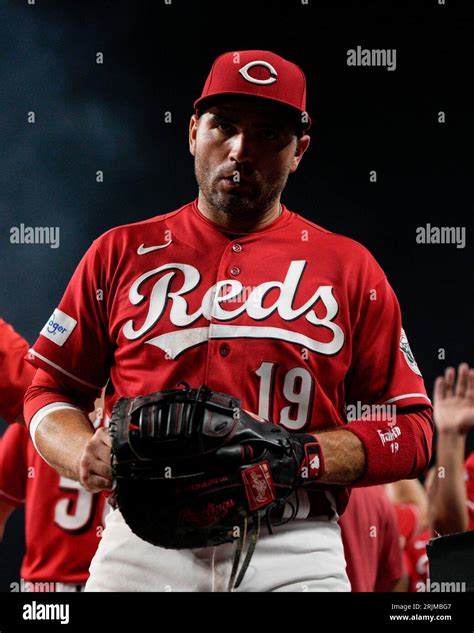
(384, 370)
(74, 346)
(397, 436)
(45, 394)
(13, 467)
(15, 373)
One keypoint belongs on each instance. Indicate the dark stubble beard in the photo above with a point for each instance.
(251, 202)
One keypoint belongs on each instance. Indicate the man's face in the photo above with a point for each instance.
(244, 153)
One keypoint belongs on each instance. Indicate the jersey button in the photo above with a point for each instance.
(236, 248)
(235, 271)
(224, 350)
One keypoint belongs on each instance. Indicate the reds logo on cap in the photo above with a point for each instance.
(263, 82)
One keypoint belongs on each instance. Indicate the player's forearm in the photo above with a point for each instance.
(60, 439)
(379, 452)
(447, 509)
(344, 457)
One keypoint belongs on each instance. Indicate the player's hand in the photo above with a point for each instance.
(454, 400)
(95, 472)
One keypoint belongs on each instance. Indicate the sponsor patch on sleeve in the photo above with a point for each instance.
(408, 354)
(59, 327)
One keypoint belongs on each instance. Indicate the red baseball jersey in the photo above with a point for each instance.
(408, 519)
(16, 374)
(63, 522)
(416, 560)
(371, 540)
(293, 319)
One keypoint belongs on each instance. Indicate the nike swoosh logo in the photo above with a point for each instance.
(143, 250)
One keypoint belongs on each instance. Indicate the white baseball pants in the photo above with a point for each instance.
(304, 555)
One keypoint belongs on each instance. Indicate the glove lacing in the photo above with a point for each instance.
(236, 579)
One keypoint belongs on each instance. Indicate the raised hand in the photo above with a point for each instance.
(454, 400)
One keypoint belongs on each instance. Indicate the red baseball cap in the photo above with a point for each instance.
(258, 74)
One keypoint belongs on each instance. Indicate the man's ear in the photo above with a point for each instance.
(301, 147)
(193, 125)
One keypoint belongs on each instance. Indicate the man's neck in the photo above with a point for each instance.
(235, 224)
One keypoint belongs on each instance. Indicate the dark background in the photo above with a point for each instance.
(110, 117)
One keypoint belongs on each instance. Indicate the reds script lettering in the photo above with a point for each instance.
(176, 342)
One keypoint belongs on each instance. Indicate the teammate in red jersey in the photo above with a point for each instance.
(450, 482)
(63, 521)
(469, 479)
(16, 374)
(371, 541)
(236, 291)
(416, 560)
(410, 500)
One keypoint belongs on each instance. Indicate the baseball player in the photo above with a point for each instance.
(15, 372)
(410, 501)
(63, 521)
(416, 561)
(16, 375)
(236, 291)
(371, 541)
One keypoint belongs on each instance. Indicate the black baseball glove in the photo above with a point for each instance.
(193, 469)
